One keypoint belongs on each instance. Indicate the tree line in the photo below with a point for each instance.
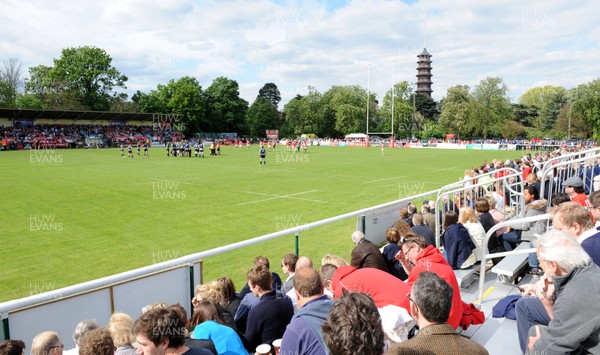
(83, 78)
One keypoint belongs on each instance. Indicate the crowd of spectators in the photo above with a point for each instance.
(75, 135)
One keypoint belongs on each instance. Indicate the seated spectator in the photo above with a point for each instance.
(334, 260)
(288, 265)
(572, 218)
(120, 326)
(189, 342)
(366, 254)
(353, 326)
(326, 272)
(12, 347)
(557, 319)
(267, 319)
(559, 198)
(303, 262)
(595, 209)
(263, 260)
(458, 245)
(431, 302)
(428, 216)
(420, 228)
(96, 342)
(47, 343)
(209, 324)
(384, 289)
(213, 291)
(229, 300)
(303, 335)
(160, 330)
(390, 250)
(528, 230)
(81, 328)
(416, 257)
(574, 188)
(468, 219)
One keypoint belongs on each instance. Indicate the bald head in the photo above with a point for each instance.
(357, 236)
(303, 262)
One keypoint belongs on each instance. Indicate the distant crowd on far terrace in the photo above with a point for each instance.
(74, 135)
(401, 299)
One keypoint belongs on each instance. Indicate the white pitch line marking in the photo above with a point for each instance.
(445, 169)
(394, 178)
(276, 197)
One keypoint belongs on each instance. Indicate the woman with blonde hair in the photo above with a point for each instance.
(333, 260)
(468, 218)
(120, 326)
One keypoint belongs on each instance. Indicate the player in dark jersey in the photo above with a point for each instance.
(263, 155)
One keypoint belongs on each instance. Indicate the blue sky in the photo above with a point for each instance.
(297, 44)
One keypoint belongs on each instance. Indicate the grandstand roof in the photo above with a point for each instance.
(15, 113)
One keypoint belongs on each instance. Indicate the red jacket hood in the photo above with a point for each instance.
(432, 254)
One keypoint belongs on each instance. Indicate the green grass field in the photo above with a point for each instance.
(70, 216)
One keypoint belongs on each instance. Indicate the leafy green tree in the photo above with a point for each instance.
(88, 72)
(585, 100)
(403, 110)
(455, 114)
(490, 107)
(548, 100)
(525, 115)
(305, 114)
(262, 115)
(270, 92)
(348, 104)
(29, 101)
(225, 109)
(427, 107)
(570, 124)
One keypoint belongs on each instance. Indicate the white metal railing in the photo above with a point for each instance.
(511, 179)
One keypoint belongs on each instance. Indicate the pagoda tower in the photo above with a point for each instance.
(424, 73)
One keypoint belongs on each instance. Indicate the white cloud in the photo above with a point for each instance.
(297, 44)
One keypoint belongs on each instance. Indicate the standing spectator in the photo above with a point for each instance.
(303, 336)
(97, 342)
(160, 330)
(354, 326)
(12, 347)
(47, 343)
(366, 254)
(267, 319)
(431, 301)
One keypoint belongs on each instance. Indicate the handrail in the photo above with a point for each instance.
(567, 157)
(547, 173)
(107, 281)
(451, 189)
(485, 257)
